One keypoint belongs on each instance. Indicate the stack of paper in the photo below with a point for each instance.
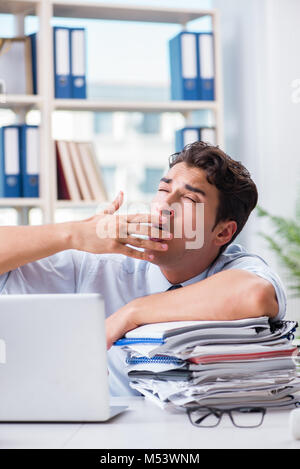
(219, 364)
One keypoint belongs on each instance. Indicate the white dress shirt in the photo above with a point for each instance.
(120, 279)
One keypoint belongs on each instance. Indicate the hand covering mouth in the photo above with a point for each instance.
(160, 227)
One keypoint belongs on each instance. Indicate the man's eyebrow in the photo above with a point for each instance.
(187, 186)
(166, 180)
(195, 189)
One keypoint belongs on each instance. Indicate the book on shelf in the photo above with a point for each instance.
(78, 62)
(206, 66)
(192, 66)
(19, 161)
(78, 168)
(67, 184)
(10, 180)
(92, 171)
(16, 66)
(183, 66)
(69, 62)
(61, 57)
(78, 173)
(192, 134)
(30, 159)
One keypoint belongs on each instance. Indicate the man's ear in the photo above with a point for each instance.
(224, 232)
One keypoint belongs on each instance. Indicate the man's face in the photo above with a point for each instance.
(186, 191)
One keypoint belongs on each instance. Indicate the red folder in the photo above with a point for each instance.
(243, 356)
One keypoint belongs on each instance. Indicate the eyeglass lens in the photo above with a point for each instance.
(244, 417)
(247, 417)
(205, 417)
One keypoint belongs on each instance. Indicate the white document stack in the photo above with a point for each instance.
(248, 362)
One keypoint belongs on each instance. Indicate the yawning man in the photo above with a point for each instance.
(212, 279)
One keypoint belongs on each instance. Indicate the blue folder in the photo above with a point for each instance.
(34, 61)
(206, 66)
(10, 175)
(183, 66)
(191, 134)
(61, 52)
(78, 63)
(182, 137)
(29, 157)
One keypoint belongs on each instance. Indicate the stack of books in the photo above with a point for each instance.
(78, 172)
(227, 364)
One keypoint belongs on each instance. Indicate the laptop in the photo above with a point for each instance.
(53, 363)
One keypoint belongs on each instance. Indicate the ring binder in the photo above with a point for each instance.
(10, 174)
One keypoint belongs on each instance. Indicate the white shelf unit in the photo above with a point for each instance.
(46, 103)
(15, 101)
(132, 106)
(21, 202)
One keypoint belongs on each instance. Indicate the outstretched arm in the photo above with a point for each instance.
(228, 295)
(105, 232)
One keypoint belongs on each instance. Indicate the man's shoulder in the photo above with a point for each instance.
(236, 254)
(234, 250)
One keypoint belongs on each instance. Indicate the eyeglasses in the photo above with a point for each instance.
(242, 417)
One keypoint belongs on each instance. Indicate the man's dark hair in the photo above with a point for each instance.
(237, 192)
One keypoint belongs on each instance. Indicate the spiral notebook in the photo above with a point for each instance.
(181, 337)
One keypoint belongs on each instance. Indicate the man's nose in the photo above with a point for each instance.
(164, 207)
(167, 212)
(170, 199)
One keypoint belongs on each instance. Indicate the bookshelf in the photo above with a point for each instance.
(93, 10)
(132, 106)
(14, 101)
(47, 104)
(21, 202)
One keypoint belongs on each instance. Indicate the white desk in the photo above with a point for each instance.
(144, 425)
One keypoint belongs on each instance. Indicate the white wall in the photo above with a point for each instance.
(261, 60)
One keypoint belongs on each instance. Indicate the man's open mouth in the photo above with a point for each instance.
(159, 227)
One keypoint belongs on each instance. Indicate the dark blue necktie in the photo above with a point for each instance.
(174, 287)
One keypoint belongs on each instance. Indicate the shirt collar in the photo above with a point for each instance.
(158, 283)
